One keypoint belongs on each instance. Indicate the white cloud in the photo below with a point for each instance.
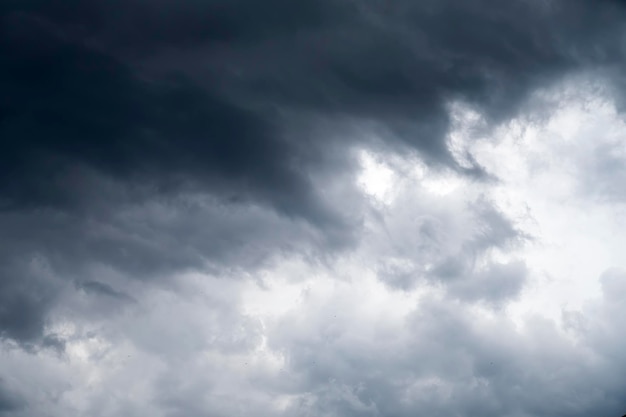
(450, 302)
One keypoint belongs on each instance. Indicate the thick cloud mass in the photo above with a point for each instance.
(395, 63)
(314, 207)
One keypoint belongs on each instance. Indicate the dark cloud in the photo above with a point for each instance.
(88, 141)
(53, 341)
(25, 297)
(101, 289)
(141, 26)
(394, 64)
(10, 402)
(143, 140)
(88, 108)
(397, 65)
(400, 64)
(45, 251)
(85, 136)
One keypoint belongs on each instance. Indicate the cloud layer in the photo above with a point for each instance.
(325, 208)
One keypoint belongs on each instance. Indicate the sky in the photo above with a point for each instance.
(325, 208)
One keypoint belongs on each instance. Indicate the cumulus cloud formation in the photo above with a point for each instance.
(312, 208)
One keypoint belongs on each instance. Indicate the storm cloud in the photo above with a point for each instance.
(210, 92)
(331, 207)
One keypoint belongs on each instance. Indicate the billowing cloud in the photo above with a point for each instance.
(325, 208)
(244, 68)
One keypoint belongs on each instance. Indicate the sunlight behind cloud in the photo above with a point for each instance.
(544, 170)
(376, 178)
(312, 208)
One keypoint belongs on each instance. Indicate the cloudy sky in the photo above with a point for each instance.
(325, 208)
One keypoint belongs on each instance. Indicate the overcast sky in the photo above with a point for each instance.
(324, 208)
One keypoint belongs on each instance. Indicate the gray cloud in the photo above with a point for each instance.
(148, 141)
(449, 360)
(102, 289)
(494, 284)
(397, 65)
(104, 250)
(443, 357)
(9, 401)
(26, 295)
(445, 242)
(135, 128)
